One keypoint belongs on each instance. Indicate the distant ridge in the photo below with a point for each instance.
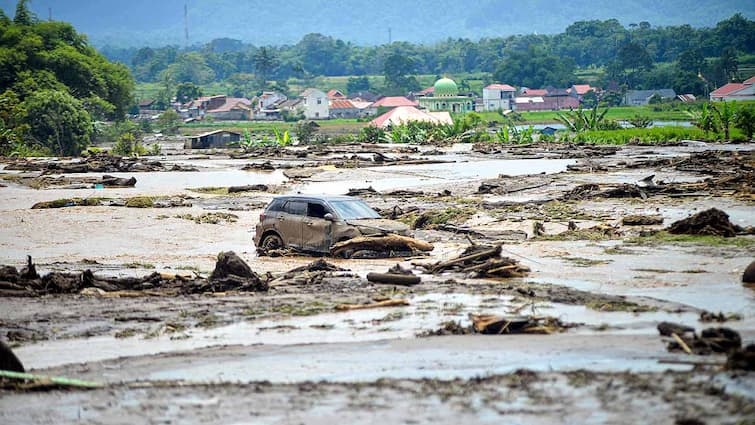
(263, 22)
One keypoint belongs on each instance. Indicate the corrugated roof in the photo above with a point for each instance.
(582, 88)
(394, 102)
(341, 104)
(534, 92)
(750, 80)
(728, 89)
(405, 114)
(232, 103)
(335, 94)
(502, 87)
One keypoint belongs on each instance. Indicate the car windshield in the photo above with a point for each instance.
(353, 210)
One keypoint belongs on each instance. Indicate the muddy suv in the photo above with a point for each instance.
(315, 223)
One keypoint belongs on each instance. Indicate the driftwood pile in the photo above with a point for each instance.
(396, 275)
(311, 274)
(231, 274)
(481, 261)
(489, 324)
(101, 163)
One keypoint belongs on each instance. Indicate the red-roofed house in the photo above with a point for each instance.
(343, 108)
(735, 91)
(527, 92)
(394, 102)
(336, 94)
(498, 97)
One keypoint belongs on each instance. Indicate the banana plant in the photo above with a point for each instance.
(282, 139)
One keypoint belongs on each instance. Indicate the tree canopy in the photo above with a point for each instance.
(53, 73)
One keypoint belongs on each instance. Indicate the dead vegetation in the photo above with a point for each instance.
(480, 261)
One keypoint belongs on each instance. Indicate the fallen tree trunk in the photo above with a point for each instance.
(385, 243)
(393, 278)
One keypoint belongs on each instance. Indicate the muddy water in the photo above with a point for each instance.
(418, 176)
(425, 312)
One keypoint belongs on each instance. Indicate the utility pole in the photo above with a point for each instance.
(390, 36)
(49, 14)
(186, 24)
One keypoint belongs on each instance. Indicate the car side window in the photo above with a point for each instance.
(276, 205)
(296, 207)
(316, 210)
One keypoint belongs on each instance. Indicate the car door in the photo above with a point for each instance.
(316, 231)
(290, 222)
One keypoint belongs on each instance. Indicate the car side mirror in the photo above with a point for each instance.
(328, 217)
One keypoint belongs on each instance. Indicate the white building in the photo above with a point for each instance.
(498, 97)
(315, 104)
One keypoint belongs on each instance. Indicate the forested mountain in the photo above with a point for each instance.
(264, 22)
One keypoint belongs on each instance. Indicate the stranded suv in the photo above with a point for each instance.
(315, 223)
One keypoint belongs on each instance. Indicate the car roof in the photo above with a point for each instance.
(325, 198)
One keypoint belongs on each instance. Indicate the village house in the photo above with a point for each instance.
(363, 96)
(213, 139)
(735, 91)
(219, 107)
(548, 99)
(343, 108)
(315, 104)
(335, 95)
(642, 97)
(580, 90)
(497, 97)
(148, 108)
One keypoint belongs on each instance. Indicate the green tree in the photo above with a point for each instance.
(725, 113)
(396, 71)
(186, 92)
(23, 15)
(728, 64)
(357, 84)
(535, 68)
(169, 121)
(59, 122)
(691, 60)
(265, 63)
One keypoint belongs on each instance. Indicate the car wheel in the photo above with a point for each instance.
(271, 241)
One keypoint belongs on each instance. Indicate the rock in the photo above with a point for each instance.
(749, 274)
(709, 222)
(8, 360)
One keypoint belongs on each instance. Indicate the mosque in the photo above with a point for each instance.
(445, 97)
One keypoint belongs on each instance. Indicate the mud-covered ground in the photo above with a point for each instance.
(287, 356)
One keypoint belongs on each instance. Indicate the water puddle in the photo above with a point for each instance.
(426, 312)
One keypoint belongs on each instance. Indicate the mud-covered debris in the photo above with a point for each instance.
(396, 212)
(720, 317)
(741, 359)
(642, 220)
(111, 181)
(248, 188)
(710, 340)
(505, 185)
(709, 222)
(668, 328)
(748, 276)
(481, 261)
(101, 163)
(384, 246)
(583, 191)
(365, 191)
(448, 328)
(396, 275)
(379, 304)
(496, 325)
(233, 273)
(8, 360)
(319, 265)
(230, 274)
(264, 166)
(403, 193)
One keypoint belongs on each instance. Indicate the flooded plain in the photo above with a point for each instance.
(173, 356)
